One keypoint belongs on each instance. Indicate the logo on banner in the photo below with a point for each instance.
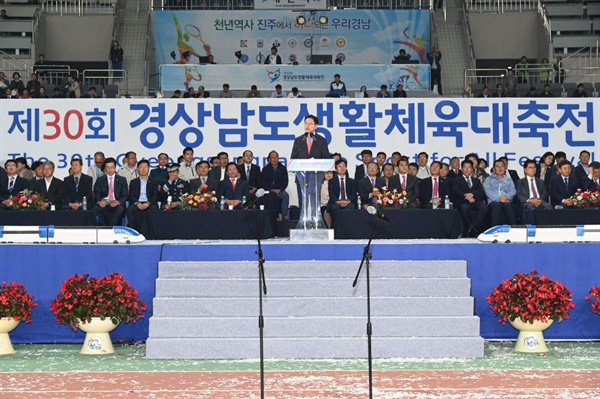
(243, 43)
(276, 43)
(273, 75)
(292, 42)
(308, 42)
(324, 42)
(292, 57)
(340, 42)
(260, 43)
(341, 57)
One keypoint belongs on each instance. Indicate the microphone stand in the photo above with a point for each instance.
(262, 287)
(366, 259)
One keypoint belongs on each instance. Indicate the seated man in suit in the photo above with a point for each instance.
(143, 195)
(433, 189)
(77, 186)
(468, 195)
(361, 170)
(500, 191)
(455, 168)
(563, 185)
(160, 174)
(275, 180)
(367, 184)
(342, 191)
(219, 172)
(233, 189)
(11, 184)
(531, 192)
(50, 186)
(110, 195)
(583, 169)
(204, 182)
(407, 182)
(387, 180)
(593, 182)
(250, 172)
(173, 189)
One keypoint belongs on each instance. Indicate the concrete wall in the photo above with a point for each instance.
(509, 36)
(71, 38)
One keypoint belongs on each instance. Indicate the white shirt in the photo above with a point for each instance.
(423, 172)
(48, 183)
(187, 172)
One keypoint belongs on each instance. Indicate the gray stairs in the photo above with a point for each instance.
(209, 311)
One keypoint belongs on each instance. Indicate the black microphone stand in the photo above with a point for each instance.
(262, 287)
(366, 259)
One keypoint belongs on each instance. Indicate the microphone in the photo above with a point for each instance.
(373, 211)
(259, 193)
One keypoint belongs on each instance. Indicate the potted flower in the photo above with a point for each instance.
(531, 303)
(204, 200)
(390, 198)
(27, 200)
(97, 306)
(586, 199)
(595, 295)
(16, 305)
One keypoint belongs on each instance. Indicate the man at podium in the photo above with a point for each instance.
(310, 145)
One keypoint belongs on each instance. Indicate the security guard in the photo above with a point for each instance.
(173, 189)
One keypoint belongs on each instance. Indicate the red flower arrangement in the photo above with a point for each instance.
(203, 200)
(82, 298)
(530, 297)
(595, 294)
(390, 198)
(28, 200)
(16, 302)
(585, 199)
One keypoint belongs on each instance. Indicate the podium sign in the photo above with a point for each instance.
(309, 177)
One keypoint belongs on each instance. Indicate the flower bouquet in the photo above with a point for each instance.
(110, 297)
(390, 198)
(15, 302)
(28, 200)
(585, 199)
(203, 200)
(595, 294)
(530, 297)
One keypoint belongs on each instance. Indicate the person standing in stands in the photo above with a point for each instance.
(337, 88)
(116, 59)
(434, 57)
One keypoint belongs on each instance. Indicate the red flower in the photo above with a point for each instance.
(16, 302)
(595, 295)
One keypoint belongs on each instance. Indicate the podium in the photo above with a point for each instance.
(309, 176)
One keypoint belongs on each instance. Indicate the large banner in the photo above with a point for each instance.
(314, 77)
(516, 128)
(355, 36)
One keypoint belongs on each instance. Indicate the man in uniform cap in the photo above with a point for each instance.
(174, 187)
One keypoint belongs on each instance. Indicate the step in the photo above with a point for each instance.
(316, 306)
(314, 348)
(311, 269)
(309, 287)
(305, 327)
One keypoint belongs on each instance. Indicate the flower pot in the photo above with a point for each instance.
(97, 338)
(7, 324)
(531, 338)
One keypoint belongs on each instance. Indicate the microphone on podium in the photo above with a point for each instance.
(373, 211)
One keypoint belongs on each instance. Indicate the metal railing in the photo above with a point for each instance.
(483, 76)
(581, 65)
(79, 7)
(545, 18)
(10, 65)
(55, 75)
(535, 73)
(249, 4)
(501, 6)
(468, 36)
(105, 77)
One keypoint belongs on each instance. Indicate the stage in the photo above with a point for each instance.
(43, 268)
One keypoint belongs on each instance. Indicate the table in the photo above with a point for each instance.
(406, 223)
(555, 217)
(223, 225)
(47, 218)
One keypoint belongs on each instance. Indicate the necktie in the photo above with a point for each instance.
(436, 188)
(203, 180)
(309, 141)
(597, 182)
(566, 184)
(11, 184)
(248, 172)
(342, 189)
(469, 182)
(404, 182)
(372, 182)
(76, 183)
(233, 184)
(111, 189)
(534, 193)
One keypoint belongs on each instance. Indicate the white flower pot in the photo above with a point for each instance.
(7, 324)
(97, 338)
(531, 338)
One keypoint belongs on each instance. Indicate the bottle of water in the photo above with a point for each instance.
(446, 202)
(358, 202)
(84, 203)
(434, 203)
(243, 200)
(222, 203)
(169, 201)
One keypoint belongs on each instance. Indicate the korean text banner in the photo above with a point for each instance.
(517, 128)
(290, 4)
(355, 36)
(313, 77)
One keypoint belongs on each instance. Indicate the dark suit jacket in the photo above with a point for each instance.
(211, 184)
(2, 173)
(20, 185)
(452, 175)
(459, 188)
(514, 176)
(580, 173)
(54, 194)
(85, 189)
(558, 192)
(215, 173)
(318, 150)
(226, 190)
(334, 190)
(365, 188)
(135, 188)
(589, 185)
(276, 178)
(524, 192)
(360, 172)
(255, 180)
(412, 187)
(101, 189)
(392, 184)
(426, 190)
(550, 173)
